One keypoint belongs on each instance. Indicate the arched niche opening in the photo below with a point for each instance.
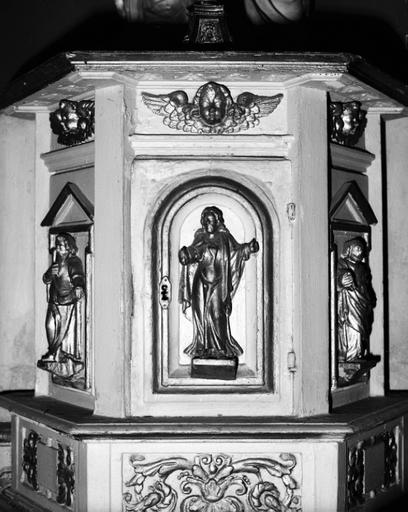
(175, 224)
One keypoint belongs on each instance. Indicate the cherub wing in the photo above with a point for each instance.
(264, 105)
(254, 107)
(173, 107)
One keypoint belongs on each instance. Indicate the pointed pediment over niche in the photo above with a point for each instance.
(71, 207)
(351, 206)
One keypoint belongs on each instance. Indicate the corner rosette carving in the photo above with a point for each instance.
(213, 483)
(73, 121)
(347, 122)
(212, 111)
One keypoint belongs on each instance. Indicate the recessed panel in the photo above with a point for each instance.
(212, 288)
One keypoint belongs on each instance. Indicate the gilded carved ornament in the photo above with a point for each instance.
(30, 461)
(213, 483)
(73, 121)
(65, 475)
(347, 122)
(212, 110)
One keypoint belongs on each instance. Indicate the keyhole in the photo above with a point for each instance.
(164, 292)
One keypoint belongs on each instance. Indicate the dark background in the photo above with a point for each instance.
(34, 30)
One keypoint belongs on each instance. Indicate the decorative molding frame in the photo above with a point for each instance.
(70, 158)
(51, 472)
(350, 159)
(70, 189)
(257, 373)
(205, 146)
(351, 191)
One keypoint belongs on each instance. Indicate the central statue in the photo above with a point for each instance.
(212, 267)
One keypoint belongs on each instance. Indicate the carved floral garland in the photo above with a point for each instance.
(212, 483)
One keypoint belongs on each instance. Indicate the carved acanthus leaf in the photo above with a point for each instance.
(213, 483)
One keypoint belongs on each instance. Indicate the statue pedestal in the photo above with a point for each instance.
(223, 369)
(357, 370)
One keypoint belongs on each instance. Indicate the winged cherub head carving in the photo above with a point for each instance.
(212, 110)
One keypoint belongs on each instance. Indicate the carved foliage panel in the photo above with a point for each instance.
(373, 466)
(47, 465)
(212, 482)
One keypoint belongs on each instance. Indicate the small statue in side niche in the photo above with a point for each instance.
(212, 267)
(356, 301)
(66, 281)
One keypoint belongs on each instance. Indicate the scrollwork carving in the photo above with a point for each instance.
(213, 483)
(65, 475)
(73, 121)
(391, 457)
(355, 476)
(30, 458)
(212, 111)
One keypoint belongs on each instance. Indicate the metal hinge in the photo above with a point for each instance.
(291, 211)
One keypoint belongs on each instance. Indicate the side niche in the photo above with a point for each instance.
(353, 298)
(68, 283)
(212, 272)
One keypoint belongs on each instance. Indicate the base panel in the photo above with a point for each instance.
(65, 458)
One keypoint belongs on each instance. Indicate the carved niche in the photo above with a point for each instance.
(68, 280)
(353, 298)
(212, 305)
